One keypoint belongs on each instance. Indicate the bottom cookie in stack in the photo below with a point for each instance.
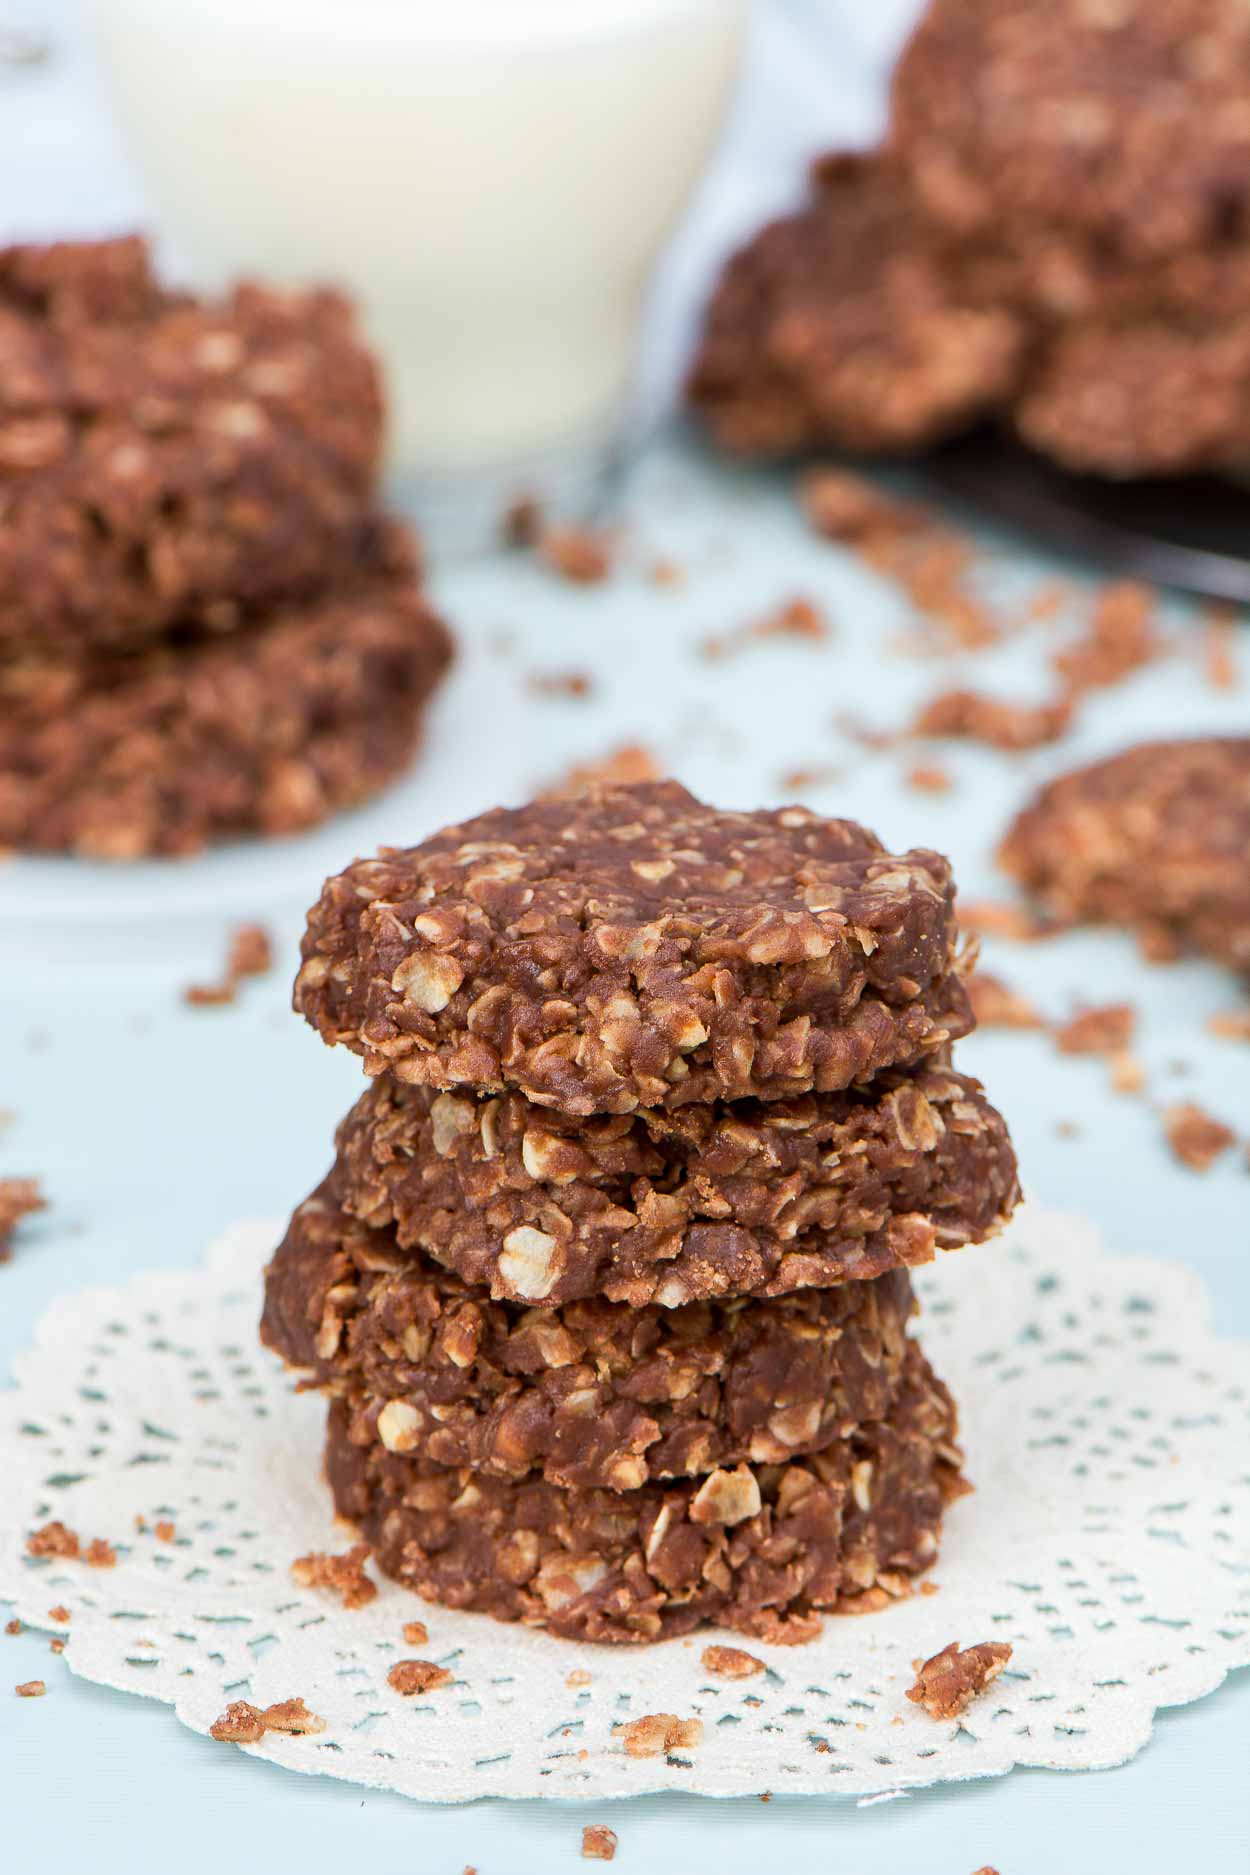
(765, 1550)
(302, 710)
(614, 1473)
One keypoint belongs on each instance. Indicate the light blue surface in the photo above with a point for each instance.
(152, 1126)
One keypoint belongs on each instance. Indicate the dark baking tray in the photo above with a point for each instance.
(1190, 532)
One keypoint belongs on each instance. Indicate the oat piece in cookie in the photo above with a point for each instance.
(950, 1680)
(855, 323)
(1154, 839)
(635, 948)
(1124, 121)
(167, 463)
(762, 1551)
(266, 730)
(591, 1394)
(682, 1204)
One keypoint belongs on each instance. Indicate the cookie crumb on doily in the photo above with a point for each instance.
(244, 1724)
(731, 1663)
(417, 1676)
(344, 1574)
(658, 1732)
(950, 1680)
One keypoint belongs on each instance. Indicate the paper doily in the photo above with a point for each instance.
(1107, 1431)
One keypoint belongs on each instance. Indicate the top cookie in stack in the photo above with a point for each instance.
(609, 1279)
(205, 626)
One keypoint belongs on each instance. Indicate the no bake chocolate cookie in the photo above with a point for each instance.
(760, 1549)
(167, 463)
(858, 322)
(1155, 839)
(591, 1394)
(684, 1204)
(265, 730)
(634, 947)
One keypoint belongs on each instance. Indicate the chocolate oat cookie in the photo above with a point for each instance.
(1155, 838)
(1125, 120)
(761, 1550)
(591, 1394)
(167, 463)
(265, 730)
(683, 1204)
(857, 322)
(633, 947)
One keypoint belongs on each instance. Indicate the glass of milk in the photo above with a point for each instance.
(490, 179)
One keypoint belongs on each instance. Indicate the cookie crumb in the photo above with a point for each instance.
(344, 1575)
(560, 683)
(796, 618)
(1103, 1029)
(59, 1613)
(578, 554)
(57, 1644)
(30, 1689)
(239, 1724)
(53, 1540)
(665, 573)
(249, 954)
(622, 767)
(417, 1676)
(1232, 1025)
(991, 918)
(578, 1677)
(1119, 639)
(927, 778)
(598, 1842)
(100, 1554)
(164, 1531)
(659, 1732)
(416, 1634)
(796, 779)
(1196, 1137)
(19, 1198)
(975, 717)
(13, 1626)
(731, 1663)
(291, 1716)
(950, 1680)
(997, 1006)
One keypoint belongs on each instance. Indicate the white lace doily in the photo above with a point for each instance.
(1107, 1431)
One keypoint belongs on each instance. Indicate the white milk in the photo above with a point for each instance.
(492, 179)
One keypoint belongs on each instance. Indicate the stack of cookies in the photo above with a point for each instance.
(206, 629)
(608, 1284)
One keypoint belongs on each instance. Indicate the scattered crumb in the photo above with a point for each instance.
(578, 1677)
(797, 618)
(344, 1574)
(630, 763)
(59, 1613)
(658, 1732)
(930, 1587)
(19, 1197)
(979, 718)
(1103, 1030)
(239, 1724)
(987, 1870)
(523, 523)
(560, 683)
(293, 1717)
(927, 778)
(1232, 1025)
(53, 1540)
(1219, 658)
(1067, 1129)
(13, 1626)
(665, 573)
(1128, 1076)
(416, 1633)
(997, 1006)
(30, 1689)
(1197, 1139)
(950, 1680)
(845, 507)
(1118, 640)
(598, 1842)
(249, 954)
(796, 779)
(991, 918)
(578, 554)
(863, 734)
(164, 1531)
(243, 1724)
(100, 1554)
(417, 1676)
(1047, 601)
(57, 1644)
(731, 1663)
